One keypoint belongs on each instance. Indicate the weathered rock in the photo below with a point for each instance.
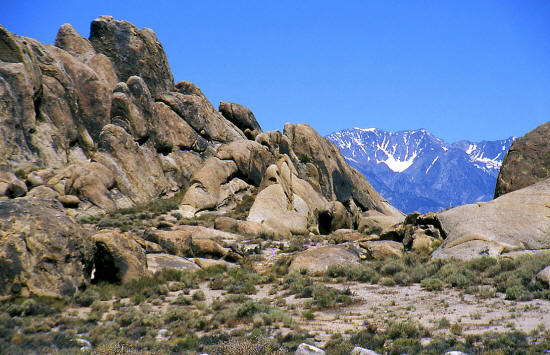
(382, 249)
(202, 116)
(252, 158)
(195, 241)
(527, 161)
(16, 188)
(306, 349)
(518, 220)
(334, 217)
(72, 42)
(214, 187)
(42, 250)
(133, 52)
(375, 222)
(236, 226)
(92, 182)
(242, 117)
(69, 201)
(273, 208)
(133, 108)
(208, 263)
(337, 179)
(118, 257)
(157, 262)
(362, 351)
(124, 157)
(421, 241)
(43, 193)
(544, 275)
(318, 259)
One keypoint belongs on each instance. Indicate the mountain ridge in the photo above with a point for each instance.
(418, 171)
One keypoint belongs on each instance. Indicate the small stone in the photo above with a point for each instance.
(69, 201)
(362, 351)
(306, 349)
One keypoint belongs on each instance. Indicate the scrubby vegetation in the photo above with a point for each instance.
(513, 277)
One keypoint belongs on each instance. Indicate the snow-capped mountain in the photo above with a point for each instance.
(416, 171)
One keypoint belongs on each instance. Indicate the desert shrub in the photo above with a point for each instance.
(31, 307)
(254, 346)
(361, 272)
(327, 297)
(392, 267)
(86, 298)
(432, 284)
(298, 284)
(338, 345)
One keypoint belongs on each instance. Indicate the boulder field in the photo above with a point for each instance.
(93, 126)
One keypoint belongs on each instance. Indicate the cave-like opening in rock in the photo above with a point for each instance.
(105, 268)
(325, 222)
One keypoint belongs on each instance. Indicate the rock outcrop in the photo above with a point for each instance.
(89, 126)
(527, 161)
(132, 52)
(42, 250)
(516, 221)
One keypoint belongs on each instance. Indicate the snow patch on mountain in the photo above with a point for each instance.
(415, 170)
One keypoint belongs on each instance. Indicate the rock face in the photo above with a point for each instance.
(337, 179)
(118, 257)
(95, 125)
(42, 250)
(527, 162)
(320, 258)
(133, 52)
(242, 117)
(516, 221)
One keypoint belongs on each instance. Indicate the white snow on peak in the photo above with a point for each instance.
(365, 129)
(471, 148)
(432, 164)
(395, 165)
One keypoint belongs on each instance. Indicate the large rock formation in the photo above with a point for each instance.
(527, 162)
(516, 221)
(42, 250)
(98, 125)
(133, 52)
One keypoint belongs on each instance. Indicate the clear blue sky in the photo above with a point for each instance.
(461, 69)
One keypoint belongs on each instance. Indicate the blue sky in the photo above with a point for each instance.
(461, 69)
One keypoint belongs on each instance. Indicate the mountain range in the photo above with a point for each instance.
(417, 171)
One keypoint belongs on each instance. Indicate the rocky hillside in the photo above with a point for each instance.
(96, 125)
(135, 217)
(417, 171)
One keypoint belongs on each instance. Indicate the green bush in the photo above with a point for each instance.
(432, 284)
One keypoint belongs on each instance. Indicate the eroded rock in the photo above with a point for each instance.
(42, 250)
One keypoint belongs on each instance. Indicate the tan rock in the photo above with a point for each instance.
(337, 179)
(318, 259)
(69, 201)
(515, 221)
(133, 51)
(157, 262)
(119, 257)
(382, 249)
(272, 208)
(43, 192)
(208, 263)
(544, 275)
(196, 241)
(43, 251)
(376, 222)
